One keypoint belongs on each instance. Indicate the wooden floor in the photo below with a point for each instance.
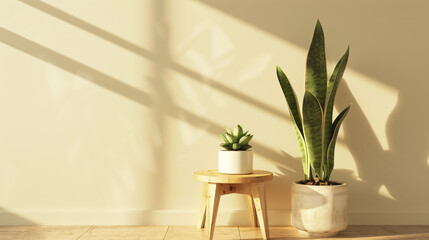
(191, 232)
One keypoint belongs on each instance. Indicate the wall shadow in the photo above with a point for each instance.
(158, 56)
(404, 162)
(371, 28)
(377, 168)
(393, 36)
(162, 108)
(406, 159)
(9, 218)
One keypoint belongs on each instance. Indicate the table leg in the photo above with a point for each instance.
(258, 194)
(213, 198)
(252, 211)
(203, 208)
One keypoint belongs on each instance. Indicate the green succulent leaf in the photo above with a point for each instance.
(245, 140)
(236, 146)
(235, 139)
(231, 138)
(331, 147)
(227, 146)
(223, 138)
(313, 115)
(238, 132)
(316, 74)
(228, 130)
(245, 147)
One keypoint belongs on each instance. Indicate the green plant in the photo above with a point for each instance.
(315, 131)
(236, 140)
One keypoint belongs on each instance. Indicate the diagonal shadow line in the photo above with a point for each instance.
(38, 51)
(195, 76)
(103, 80)
(66, 17)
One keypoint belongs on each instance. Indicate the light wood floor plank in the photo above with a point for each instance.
(125, 233)
(194, 233)
(41, 232)
(355, 232)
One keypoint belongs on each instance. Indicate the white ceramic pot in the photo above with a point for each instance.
(319, 211)
(235, 162)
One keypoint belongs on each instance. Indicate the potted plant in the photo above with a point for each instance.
(319, 205)
(237, 158)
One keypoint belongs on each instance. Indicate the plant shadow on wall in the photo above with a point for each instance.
(390, 54)
(406, 159)
(167, 62)
(103, 80)
(159, 103)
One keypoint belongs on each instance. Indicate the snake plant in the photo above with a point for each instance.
(236, 140)
(315, 130)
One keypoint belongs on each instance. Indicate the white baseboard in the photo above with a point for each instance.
(189, 217)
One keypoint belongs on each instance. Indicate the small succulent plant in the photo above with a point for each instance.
(236, 140)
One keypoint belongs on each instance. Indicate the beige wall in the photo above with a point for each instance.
(107, 107)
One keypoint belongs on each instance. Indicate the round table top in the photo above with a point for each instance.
(213, 176)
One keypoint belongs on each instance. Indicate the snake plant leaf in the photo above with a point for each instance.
(295, 115)
(291, 99)
(331, 147)
(315, 74)
(333, 84)
(223, 138)
(312, 116)
(305, 162)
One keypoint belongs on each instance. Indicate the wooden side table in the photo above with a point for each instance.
(217, 184)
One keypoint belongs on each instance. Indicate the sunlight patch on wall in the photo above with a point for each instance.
(189, 134)
(377, 101)
(382, 191)
(194, 95)
(221, 44)
(255, 67)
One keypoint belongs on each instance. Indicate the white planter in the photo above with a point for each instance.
(235, 162)
(319, 211)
